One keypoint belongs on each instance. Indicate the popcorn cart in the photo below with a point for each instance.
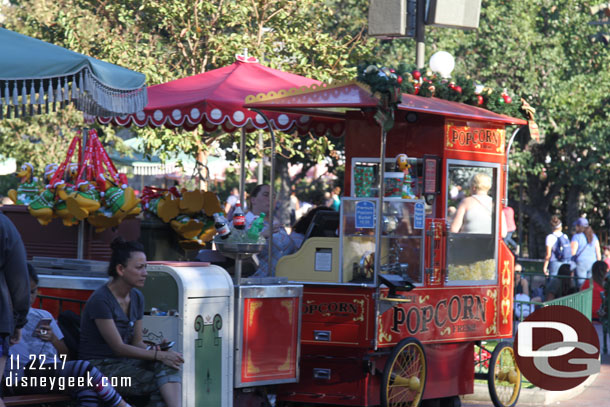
(395, 299)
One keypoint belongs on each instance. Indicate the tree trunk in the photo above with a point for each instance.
(572, 201)
(537, 210)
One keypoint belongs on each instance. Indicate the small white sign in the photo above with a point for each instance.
(324, 260)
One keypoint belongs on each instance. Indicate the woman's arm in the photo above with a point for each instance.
(137, 335)
(598, 252)
(456, 225)
(504, 226)
(525, 286)
(60, 346)
(547, 258)
(110, 333)
(574, 246)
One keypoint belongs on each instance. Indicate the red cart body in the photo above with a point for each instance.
(463, 282)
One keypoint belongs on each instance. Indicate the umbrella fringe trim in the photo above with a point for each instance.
(87, 92)
(335, 129)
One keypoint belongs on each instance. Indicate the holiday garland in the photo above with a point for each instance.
(390, 83)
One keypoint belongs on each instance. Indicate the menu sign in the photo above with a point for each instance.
(430, 169)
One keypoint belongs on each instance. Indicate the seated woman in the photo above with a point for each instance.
(299, 229)
(111, 331)
(562, 284)
(521, 284)
(282, 244)
(599, 270)
(42, 353)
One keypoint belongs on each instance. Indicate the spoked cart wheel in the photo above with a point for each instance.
(404, 375)
(504, 377)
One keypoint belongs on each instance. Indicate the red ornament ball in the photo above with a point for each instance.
(458, 89)
(507, 99)
(416, 75)
(399, 79)
(480, 99)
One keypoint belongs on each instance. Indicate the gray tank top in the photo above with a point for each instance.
(478, 218)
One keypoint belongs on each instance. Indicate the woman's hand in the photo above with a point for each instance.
(16, 336)
(46, 334)
(276, 228)
(170, 358)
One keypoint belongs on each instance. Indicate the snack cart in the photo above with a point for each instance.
(394, 303)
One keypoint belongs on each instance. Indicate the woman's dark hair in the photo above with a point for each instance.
(588, 231)
(567, 284)
(555, 221)
(256, 190)
(121, 252)
(301, 225)
(598, 271)
(34, 275)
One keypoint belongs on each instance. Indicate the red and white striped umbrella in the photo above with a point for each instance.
(215, 99)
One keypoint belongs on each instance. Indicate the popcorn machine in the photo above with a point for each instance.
(393, 315)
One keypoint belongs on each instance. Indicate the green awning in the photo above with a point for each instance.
(37, 77)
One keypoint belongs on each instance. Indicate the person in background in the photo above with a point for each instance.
(522, 295)
(474, 214)
(14, 289)
(45, 341)
(295, 205)
(511, 227)
(562, 284)
(336, 199)
(231, 201)
(558, 249)
(598, 271)
(282, 243)
(585, 250)
(607, 255)
(328, 199)
(111, 331)
(302, 225)
(521, 284)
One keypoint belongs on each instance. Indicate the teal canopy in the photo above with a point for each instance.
(36, 77)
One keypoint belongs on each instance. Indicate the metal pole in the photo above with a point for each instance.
(261, 164)
(242, 165)
(238, 269)
(271, 187)
(80, 242)
(379, 215)
(510, 145)
(420, 47)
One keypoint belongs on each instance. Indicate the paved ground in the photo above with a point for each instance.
(593, 393)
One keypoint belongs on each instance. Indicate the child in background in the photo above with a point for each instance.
(41, 336)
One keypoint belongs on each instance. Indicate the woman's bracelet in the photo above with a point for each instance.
(156, 355)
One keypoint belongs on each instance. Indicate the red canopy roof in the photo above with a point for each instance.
(334, 100)
(215, 98)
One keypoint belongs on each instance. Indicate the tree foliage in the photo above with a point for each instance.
(538, 48)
